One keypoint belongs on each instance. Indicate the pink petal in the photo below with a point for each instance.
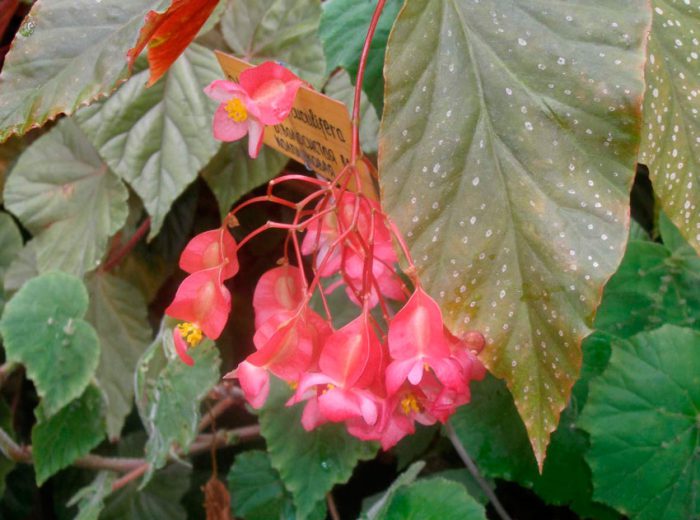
(181, 348)
(337, 405)
(311, 416)
(255, 383)
(272, 89)
(225, 128)
(397, 372)
(210, 249)
(279, 289)
(256, 132)
(222, 90)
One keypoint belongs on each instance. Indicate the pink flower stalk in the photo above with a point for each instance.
(263, 96)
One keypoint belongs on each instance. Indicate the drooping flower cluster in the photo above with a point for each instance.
(263, 96)
(391, 366)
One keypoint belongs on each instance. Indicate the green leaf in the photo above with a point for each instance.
(10, 246)
(279, 30)
(642, 416)
(506, 160)
(310, 463)
(257, 492)
(343, 30)
(66, 54)
(433, 499)
(340, 88)
(160, 499)
(66, 196)
(158, 138)
(671, 131)
(169, 394)
(71, 433)
(90, 499)
(118, 312)
(406, 478)
(43, 329)
(232, 173)
(22, 269)
(654, 285)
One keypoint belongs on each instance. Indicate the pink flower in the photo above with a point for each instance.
(215, 248)
(278, 290)
(263, 96)
(202, 300)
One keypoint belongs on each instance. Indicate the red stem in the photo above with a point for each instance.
(115, 258)
(356, 152)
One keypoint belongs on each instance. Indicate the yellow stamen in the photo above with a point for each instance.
(191, 333)
(329, 386)
(293, 385)
(236, 110)
(410, 404)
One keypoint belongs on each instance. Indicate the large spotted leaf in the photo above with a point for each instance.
(507, 149)
(671, 135)
(66, 54)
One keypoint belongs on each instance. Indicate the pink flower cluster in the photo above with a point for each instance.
(395, 364)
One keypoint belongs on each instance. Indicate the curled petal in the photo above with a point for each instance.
(222, 90)
(279, 289)
(210, 249)
(256, 132)
(181, 348)
(272, 88)
(255, 383)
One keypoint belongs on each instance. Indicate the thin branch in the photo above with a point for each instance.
(216, 411)
(332, 508)
(116, 257)
(471, 466)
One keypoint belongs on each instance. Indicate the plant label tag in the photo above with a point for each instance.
(317, 133)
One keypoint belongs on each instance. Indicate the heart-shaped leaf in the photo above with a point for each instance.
(507, 149)
(66, 54)
(671, 132)
(642, 416)
(158, 138)
(67, 197)
(42, 328)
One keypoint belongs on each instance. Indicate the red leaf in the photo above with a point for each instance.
(169, 33)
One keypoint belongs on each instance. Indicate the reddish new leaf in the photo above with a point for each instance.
(169, 33)
(7, 11)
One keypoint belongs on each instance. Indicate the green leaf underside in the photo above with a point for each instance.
(66, 196)
(671, 131)
(43, 329)
(642, 416)
(10, 246)
(171, 394)
(159, 499)
(309, 463)
(278, 30)
(232, 173)
(433, 499)
(66, 54)
(343, 30)
(118, 312)
(506, 157)
(71, 433)
(158, 138)
(90, 499)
